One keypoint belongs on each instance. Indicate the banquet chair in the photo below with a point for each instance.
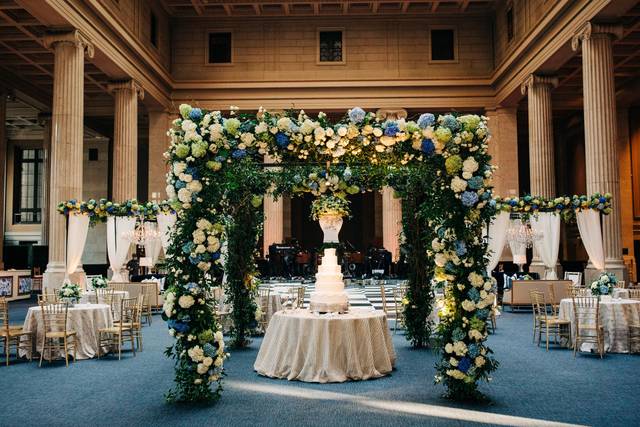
(13, 334)
(555, 308)
(399, 294)
(104, 296)
(48, 298)
(548, 324)
(634, 294)
(136, 324)
(56, 334)
(383, 296)
(121, 330)
(536, 318)
(588, 328)
(301, 291)
(148, 293)
(220, 309)
(264, 295)
(574, 291)
(621, 284)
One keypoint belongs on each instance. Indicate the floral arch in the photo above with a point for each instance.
(438, 165)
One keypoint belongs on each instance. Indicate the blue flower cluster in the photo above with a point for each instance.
(461, 247)
(195, 114)
(239, 154)
(473, 350)
(209, 350)
(427, 147)
(357, 115)
(282, 140)
(473, 295)
(450, 122)
(475, 182)
(426, 120)
(179, 326)
(392, 129)
(458, 334)
(464, 364)
(469, 198)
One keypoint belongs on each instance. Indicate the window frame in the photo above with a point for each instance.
(207, 37)
(18, 161)
(344, 45)
(456, 57)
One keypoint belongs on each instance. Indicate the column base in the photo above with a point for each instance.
(54, 276)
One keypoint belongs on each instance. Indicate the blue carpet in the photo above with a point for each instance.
(531, 384)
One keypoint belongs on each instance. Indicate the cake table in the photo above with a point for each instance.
(300, 345)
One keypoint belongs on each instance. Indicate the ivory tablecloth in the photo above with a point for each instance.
(85, 319)
(620, 293)
(615, 315)
(299, 345)
(118, 296)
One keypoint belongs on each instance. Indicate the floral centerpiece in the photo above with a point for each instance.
(69, 292)
(329, 205)
(604, 284)
(99, 282)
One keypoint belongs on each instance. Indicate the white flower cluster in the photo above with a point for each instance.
(208, 364)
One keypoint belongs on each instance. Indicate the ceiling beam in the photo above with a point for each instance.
(405, 6)
(464, 4)
(197, 5)
(434, 6)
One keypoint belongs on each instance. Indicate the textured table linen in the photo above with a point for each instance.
(85, 319)
(299, 345)
(118, 296)
(615, 315)
(620, 293)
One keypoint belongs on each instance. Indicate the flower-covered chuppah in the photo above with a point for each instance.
(440, 164)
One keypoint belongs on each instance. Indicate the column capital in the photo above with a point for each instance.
(590, 29)
(74, 37)
(123, 85)
(391, 114)
(536, 79)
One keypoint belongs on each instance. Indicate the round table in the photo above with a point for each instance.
(85, 319)
(615, 315)
(118, 296)
(303, 346)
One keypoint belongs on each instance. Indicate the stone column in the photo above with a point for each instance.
(45, 121)
(541, 149)
(391, 222)
(600, 129)
(125, 139)
(542, 164)
(273, 219)
(67, 137)
(503, 148)
(159, 124)
(3, 168)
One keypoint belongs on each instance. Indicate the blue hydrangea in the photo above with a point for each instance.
(475, 182)
(473, 295)
(195, 114)
(450, 122)
(297, 179)
(482, 314)
(215, 255)
(193, 171)
(458, 334)
(464, 364)
(427, 147)
(473, 350)
(313, 186)
(486, 196)
(441, 231)
(469, 198)
(450, 267)
(602, 199)
(239, 154)
(347, 174)
(180, 327)
(282, 140)
(220, 159)
(461, 247)
(209, 350)
(190, 286)
(356, 115)
(180, 184)
(195, 259)
(392, 129)
(187, 247)
(425, 120)
(604, 290)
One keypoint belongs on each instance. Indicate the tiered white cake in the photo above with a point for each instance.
(329, 295)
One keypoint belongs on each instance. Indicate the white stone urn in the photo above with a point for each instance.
(331, 225)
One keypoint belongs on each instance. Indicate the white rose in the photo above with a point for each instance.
(194, 186)
(470, 165)
(184, 195)
(377, 132)
(179, 167)
(458, 184)
(247, 138)
(261, 128)
(218, 362)
(207, 361)
(171, 192)
(342, 131)
(202, 369)
(284, 123)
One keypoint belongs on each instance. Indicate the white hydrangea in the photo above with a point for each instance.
(476, 279)
(458, 184)
(470, 165)
(261, 128)
(186, 301)
(196, 353)
(468, 305)
(184, 195)
(179, 167)
(194, 186)
(284, 123)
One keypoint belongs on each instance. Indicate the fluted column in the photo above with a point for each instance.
(541, 149)
(67, 137)
(273, 219)
(391, 222)
(45, 121)
(600, 128)
(503, 148)
(3, 168)
(125, 139)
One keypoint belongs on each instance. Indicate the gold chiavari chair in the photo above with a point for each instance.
(575, 291)
(48, 298)
(56, 335)
(220, 310)
(621, 284)
(121, 330)
(137, 323)
(13, 334)
(588, 329)
(548, 324)
(536, 318)
(634, 294)
(104, 296)
(399, 294)
(149, 297)
(264, 295)
(383, 296)
(555, 306)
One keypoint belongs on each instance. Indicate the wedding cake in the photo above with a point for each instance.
(329, 295)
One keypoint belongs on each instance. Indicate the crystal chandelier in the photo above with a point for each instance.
(142, 234)
(523, 234)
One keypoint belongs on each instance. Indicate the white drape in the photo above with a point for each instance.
(117, 245)
(548, 224)
(496, 238)
(152, 247)
(77, 229)
(591, 234)
(166, 222)
(518, 249)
